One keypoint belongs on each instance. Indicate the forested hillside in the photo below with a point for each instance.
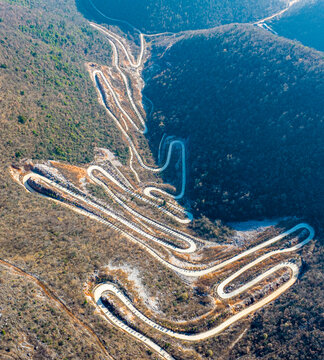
(303, 23)
(251, 107)
(49, 110)
(169, 15)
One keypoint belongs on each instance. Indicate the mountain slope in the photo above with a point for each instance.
(250, 105)
(49, 107)
(168, 15)
(49, 110)
(304, 23)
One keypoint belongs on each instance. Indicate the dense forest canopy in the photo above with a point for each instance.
(251, 107)
(304, 23)
(49, 106)
(170, 15)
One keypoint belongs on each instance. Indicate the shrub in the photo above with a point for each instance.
(22, 119)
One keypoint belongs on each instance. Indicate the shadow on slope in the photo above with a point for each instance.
(168, 15)
(249, 104)
(304, 24)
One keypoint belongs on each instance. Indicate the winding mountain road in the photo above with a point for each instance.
(130, 221)
(101, 289)
(279, 13)
(111, 288)
(173, 143)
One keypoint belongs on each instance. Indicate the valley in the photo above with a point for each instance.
(49, 182)
(114, 224)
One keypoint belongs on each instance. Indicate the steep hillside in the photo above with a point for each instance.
(304, 23)
(168, 15)
(49, 110)
(236, 94)
(250, 106)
